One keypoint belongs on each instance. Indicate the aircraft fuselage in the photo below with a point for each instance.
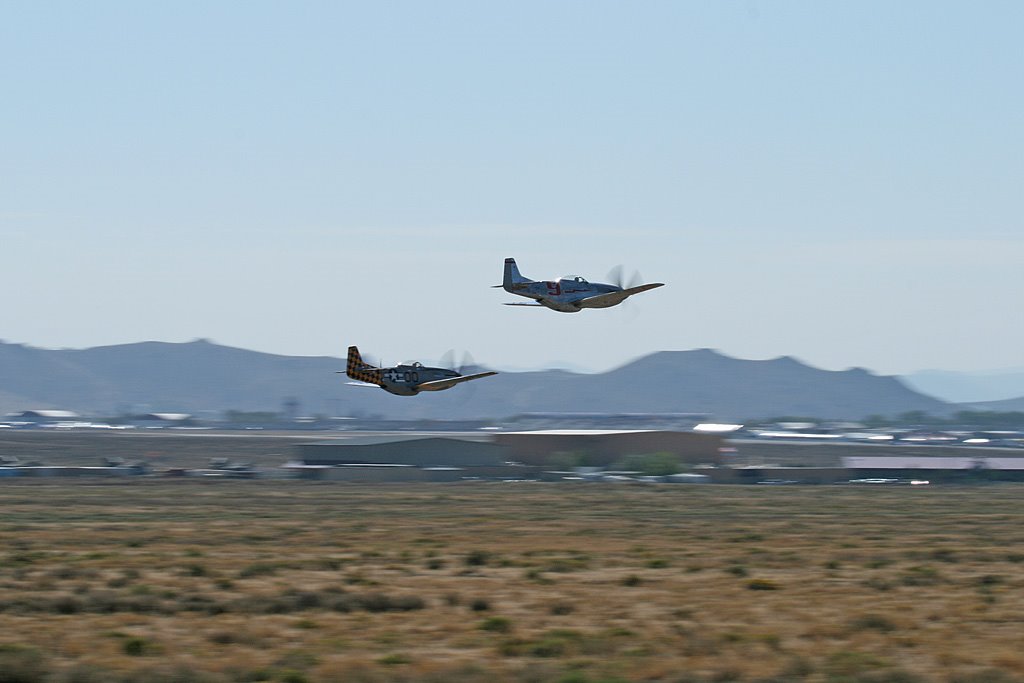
(404, 380)
(564, 294)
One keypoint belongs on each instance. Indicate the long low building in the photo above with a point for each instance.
(417, 450)
(896, 462)
(62, 471)
(983, 465)
(601, 448)
(496, 455)
(412, 457)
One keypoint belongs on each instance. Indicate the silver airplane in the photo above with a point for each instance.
(569, 294)
(407, 379)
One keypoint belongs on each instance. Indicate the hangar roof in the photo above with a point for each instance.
(380, 439)
(422, 451)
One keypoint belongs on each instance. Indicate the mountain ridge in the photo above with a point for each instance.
(988, 386)
(204, 378)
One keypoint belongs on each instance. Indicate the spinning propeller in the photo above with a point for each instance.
(616, 277)
(466, 366)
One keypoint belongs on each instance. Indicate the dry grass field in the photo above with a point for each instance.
(185, 580)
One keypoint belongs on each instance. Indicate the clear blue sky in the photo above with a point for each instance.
(836, 181)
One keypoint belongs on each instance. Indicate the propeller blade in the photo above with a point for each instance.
(615, 276)
(464, 366)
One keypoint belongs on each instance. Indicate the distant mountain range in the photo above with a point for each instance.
(1005, 406)
(203, 378)
(988, 387)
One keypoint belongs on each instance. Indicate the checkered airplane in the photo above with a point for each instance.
(407, 379)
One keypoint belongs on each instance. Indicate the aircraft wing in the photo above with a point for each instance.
(612, 298)
(516, 303)
(439, 384)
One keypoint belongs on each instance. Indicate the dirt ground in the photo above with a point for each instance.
(157, 580)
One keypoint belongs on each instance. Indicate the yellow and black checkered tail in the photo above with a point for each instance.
(361, 371)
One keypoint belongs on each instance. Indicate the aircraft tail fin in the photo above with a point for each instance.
(512, 275)
(360, 370)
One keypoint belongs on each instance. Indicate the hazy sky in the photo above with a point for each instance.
(842, 182)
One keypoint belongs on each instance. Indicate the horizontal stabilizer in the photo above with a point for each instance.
(439, 384)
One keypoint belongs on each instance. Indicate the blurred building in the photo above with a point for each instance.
(510, 455)
(43, 417)
(407, 458)
(601, 448)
